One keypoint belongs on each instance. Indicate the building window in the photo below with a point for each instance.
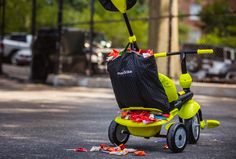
(194, 9)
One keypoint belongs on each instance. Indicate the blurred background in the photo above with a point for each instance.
(56, 94)
(74, 37)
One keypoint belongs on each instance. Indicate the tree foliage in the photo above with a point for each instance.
(18, 18)
(17, 15)
(78, 5)
(219, 25)
(117, 31)
(183, 32)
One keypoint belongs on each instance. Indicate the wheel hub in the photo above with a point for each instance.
(180, 137)
(120, 133)
(195, 127)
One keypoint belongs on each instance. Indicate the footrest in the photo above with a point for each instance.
(209, 124)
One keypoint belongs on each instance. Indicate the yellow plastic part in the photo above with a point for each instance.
(185, 80)
(144, 130)
(160, 54)
(169, 87)
(202, 124)
(181, 92)
(189, 109)
(169, 125)
(130, 123)
(212, 123)
(132, 39)
(205, 51)
(120, 5)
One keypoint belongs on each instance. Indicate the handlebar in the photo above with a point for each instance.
(199, 52)
(205, 51)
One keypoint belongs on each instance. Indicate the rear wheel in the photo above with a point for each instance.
(177, 137)
(118, 134)
(193, 129)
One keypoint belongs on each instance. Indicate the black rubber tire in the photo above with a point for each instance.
(115, 134)
(8, 58)
(174, 130)
(192, 138)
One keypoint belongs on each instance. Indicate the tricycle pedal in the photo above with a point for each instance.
(209, 124)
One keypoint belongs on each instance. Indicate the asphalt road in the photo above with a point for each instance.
(42, 122)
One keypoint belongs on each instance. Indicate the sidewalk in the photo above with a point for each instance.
(102, 81)
(209, 89)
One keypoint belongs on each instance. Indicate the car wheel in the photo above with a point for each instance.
(14, 60)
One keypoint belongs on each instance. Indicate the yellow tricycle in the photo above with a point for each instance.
(188, 111)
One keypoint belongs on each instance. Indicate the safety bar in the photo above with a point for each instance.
(199, 51)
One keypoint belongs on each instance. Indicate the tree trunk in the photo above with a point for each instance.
(158, 33)
(175, 60)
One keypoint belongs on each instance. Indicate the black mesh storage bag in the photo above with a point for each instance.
(135, 82)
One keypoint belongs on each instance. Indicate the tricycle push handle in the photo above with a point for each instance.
(183, 55)
(205, 51)
(199, 51)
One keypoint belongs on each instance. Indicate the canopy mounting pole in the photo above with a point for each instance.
(134, 45)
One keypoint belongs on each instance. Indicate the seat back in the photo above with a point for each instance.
(169, 87)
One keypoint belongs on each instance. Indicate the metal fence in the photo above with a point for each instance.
(219, 67)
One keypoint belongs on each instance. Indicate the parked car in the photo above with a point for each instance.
(13, 43)
(101, 48)
(22, 57)
(222, 65)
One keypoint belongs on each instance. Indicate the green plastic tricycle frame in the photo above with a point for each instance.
(183, 105)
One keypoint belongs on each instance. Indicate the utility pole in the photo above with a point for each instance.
(2, 9)
(91, 34)
(175, 60)
(158, 30)
(170, 36)
(59, 27)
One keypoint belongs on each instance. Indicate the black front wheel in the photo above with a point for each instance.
(118, 134)
(177, 137)
(193, 129)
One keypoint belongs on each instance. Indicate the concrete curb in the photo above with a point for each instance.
(217, 90)
(208, 89)
(75, 80)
